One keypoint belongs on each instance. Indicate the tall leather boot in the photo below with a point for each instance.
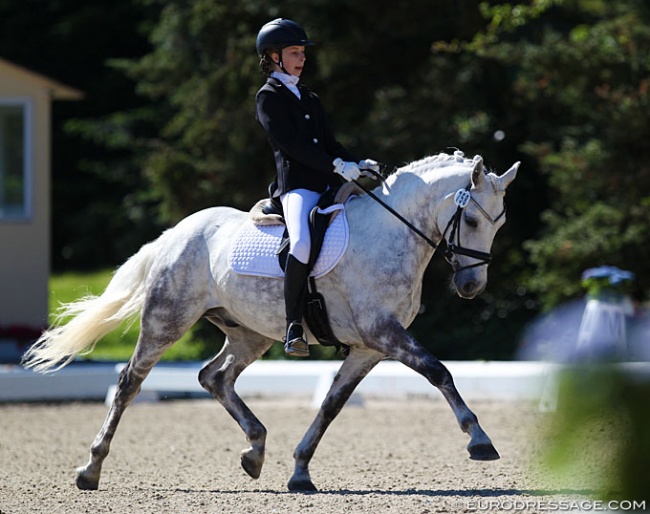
(295, 286)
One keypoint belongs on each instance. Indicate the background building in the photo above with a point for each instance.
(25, 140)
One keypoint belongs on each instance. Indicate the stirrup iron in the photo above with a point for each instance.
(295, 344)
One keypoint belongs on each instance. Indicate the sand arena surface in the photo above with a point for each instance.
(183, 457)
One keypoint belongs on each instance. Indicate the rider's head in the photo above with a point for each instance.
(274, 38)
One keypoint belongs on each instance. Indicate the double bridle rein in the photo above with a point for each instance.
(462, 198)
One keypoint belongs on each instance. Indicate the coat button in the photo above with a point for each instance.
(307, 116)
(315, 140)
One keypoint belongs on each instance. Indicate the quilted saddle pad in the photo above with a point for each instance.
(254, 250)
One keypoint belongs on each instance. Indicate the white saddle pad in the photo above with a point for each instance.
(254, 250)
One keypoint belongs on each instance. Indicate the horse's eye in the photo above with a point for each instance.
(471, 222)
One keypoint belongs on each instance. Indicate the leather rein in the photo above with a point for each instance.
(462, 198)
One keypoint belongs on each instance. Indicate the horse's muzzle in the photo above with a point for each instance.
(467, 284)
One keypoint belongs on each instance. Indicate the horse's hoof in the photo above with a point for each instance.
(301, 485)
(483, 452)
(86, 484)
(251, 465)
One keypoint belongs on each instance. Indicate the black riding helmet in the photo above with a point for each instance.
(279, 34)
(275, 36)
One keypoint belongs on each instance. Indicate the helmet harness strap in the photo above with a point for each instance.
(281, 62)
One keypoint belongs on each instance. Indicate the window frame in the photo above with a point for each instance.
(27, 105)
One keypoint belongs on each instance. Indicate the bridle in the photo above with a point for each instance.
(462, 198)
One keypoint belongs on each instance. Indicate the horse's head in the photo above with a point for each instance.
(472, 218)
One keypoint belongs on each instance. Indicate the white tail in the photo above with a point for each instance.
(94, 316)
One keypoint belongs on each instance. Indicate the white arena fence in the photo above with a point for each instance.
(475, 380)
(278, 379)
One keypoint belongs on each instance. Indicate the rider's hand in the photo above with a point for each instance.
(348, 170)
(369, 164)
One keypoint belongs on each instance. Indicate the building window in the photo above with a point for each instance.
(14, 171)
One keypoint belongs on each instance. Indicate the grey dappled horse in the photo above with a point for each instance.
(373, 294)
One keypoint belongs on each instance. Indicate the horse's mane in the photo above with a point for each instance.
(441, 160)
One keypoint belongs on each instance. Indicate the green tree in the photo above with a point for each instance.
(597, 158)
(582, 81)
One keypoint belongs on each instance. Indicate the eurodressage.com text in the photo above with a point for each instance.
(551, 505)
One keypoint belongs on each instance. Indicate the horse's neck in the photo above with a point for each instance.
(419, 196)
(415, 198)
(388, 246)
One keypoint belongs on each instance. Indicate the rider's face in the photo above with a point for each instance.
(293, 59)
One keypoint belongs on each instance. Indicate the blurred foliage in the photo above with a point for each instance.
(599, 432)
(168, 127)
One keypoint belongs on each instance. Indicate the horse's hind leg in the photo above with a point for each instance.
(155, 337)
(128, 386)
(241, 348)
(354, 368)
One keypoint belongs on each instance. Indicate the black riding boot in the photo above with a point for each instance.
(295, 285)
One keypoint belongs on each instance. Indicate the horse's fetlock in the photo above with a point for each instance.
(257, 434)
(99, 451)
(468, 422)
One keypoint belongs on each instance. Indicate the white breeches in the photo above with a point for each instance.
(297, 205)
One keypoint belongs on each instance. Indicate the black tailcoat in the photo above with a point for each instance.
(301, 138)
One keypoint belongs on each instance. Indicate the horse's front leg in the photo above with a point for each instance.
(356, 366)
(390, 337)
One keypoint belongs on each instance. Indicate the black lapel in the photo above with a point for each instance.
(279, 86)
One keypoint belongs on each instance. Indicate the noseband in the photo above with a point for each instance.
(453, 247)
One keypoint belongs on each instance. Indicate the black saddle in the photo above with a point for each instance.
(273, 205)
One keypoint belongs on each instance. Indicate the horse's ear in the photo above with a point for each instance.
(477, 172)
(509, 176)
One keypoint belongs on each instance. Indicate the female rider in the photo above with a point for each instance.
(308, 158)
